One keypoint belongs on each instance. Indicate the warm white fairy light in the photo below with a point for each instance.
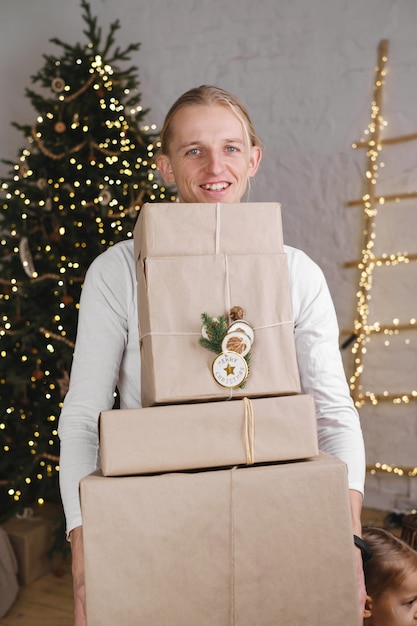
(363, 330)
(124, 199)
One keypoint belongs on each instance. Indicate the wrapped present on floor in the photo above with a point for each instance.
(207, 434)
(246, 293)
(31, 536)
(266, 545)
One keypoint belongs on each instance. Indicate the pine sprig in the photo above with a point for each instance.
(216, 328)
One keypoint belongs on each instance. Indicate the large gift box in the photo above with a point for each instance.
(210, 434)
(261, 545)
(175, 290)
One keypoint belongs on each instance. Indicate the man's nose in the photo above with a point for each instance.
(214, 162)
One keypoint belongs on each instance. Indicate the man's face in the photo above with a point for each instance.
(209, 157)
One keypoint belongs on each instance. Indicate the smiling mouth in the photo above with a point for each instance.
(215, 186)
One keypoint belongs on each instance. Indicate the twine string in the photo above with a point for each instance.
(249, 425)
(218, 224)
(227, 295)
(160, 333)
(232, 548)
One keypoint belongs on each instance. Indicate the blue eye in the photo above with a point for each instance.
(193, 151)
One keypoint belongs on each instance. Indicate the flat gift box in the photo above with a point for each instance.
(173, 292)
(172, 229)
(265, 545)
(208, 434)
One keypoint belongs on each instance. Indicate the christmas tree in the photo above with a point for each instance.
(75, 190)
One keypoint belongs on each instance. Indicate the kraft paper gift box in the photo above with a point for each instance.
(31, 538)
(172, 229)
(208, 434)
(196, 258)
(264, 545)
(173, 292)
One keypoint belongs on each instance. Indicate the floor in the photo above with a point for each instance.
(48, 600)
(45, 602)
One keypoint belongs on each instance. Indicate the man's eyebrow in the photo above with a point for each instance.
(196, 142)
(235, 140)
(188, 144)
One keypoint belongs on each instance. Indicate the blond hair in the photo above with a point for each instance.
(206, 95)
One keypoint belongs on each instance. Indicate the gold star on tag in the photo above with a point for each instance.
(229, 369)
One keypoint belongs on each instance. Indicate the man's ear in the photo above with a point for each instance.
(164, 166)
(254, 160)
(367, 612)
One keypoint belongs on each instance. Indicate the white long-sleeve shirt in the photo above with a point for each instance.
(107, 355)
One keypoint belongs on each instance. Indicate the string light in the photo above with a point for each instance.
(76, 190)
(385, 468)
(364, 330)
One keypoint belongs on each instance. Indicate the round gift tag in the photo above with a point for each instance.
(230, 369)
(236, 342)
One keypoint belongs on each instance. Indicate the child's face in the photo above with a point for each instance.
(397, 607)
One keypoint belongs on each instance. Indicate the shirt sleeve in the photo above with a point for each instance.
(321, 367)
(100, 343)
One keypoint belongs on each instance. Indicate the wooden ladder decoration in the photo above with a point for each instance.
(362, 332)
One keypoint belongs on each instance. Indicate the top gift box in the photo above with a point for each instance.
(215, 272)
(189, 229)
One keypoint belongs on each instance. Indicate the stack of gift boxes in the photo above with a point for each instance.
(213, 506)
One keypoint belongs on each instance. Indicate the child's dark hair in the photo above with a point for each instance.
(391, 562)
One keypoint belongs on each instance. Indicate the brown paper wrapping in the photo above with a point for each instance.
(262, 545)
(173, 292)
(31, 539)
(167, 229)
(208, 434)
(195, 258)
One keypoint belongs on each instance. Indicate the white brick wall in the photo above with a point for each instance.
(305, 70)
